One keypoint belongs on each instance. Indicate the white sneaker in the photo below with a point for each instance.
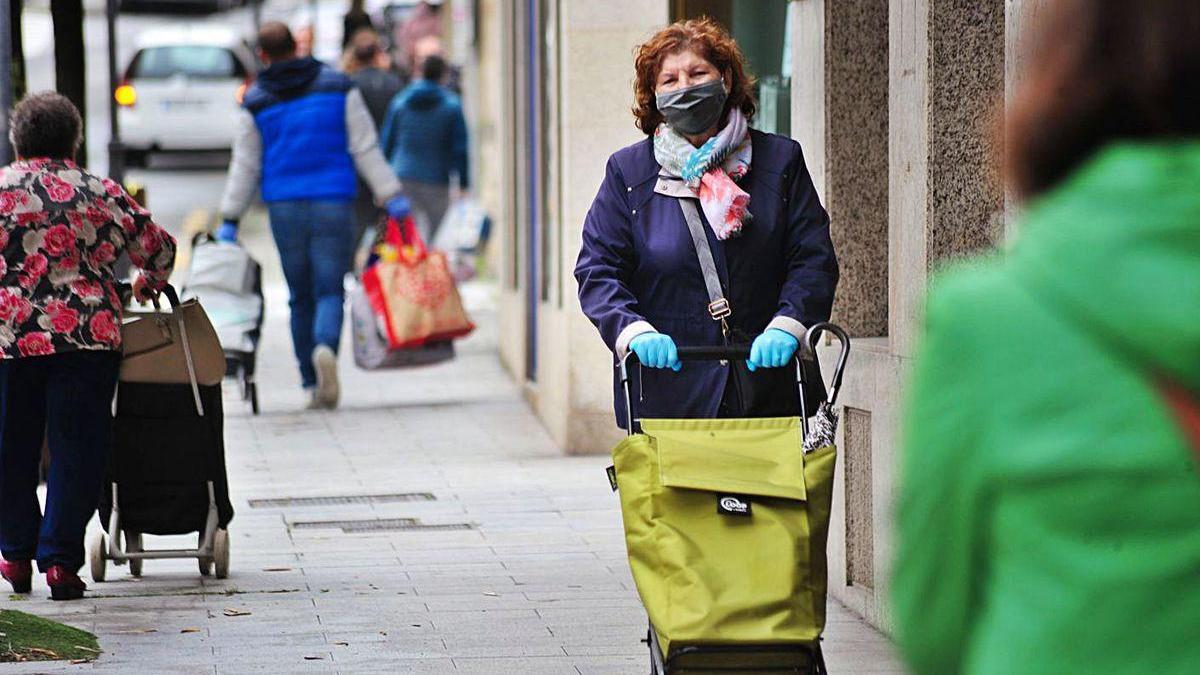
(312, 403)
(328, 390)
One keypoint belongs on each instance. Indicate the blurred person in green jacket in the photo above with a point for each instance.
(1049, 512)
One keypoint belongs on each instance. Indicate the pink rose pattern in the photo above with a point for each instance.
(58, 242)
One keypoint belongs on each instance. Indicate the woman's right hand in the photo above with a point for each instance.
(655, 350)
(142, 291)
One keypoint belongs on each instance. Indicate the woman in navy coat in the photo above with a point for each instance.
(640, 280)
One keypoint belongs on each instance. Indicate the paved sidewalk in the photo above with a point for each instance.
(537, 584)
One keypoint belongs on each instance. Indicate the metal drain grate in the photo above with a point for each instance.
(339, 500)
(378, 525)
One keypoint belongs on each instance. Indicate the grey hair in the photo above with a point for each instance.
(46, 124)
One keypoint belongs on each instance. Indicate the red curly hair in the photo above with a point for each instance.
(709, 40)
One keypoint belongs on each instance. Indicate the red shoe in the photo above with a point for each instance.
(19, 573)
(64, 584)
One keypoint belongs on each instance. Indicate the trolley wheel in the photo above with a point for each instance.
(206, 564)
(96, 556)
(221, 553)
(133, 544)
(252, 388)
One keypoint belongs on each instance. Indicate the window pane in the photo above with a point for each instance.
(191, 61)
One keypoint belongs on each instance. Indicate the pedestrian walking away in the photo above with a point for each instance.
(61, 231)
(304, 131)
(364, 62)
(425, 139)
(1049, 507)
(703, 180)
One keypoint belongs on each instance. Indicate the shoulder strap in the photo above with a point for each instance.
(718, 306)
(1187, 412)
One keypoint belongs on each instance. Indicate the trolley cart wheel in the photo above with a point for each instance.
(96, 557)
(133, 544)
(221, 553)
(206, 564)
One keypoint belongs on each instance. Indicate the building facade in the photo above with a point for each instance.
(897, 105)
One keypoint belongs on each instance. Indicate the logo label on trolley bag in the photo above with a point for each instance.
(732, 505)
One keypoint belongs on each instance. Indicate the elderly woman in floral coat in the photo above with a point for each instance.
(61, 230)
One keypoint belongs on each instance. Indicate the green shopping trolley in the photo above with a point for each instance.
(726, 522)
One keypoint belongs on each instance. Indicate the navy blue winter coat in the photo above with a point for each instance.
(638, 263)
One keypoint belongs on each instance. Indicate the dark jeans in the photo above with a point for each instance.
(66, 399)
(316, 243)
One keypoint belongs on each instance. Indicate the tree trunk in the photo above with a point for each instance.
(19, 82)
(69, 66)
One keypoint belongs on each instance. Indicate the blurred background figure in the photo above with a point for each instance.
(1049, 516)
(425, 139)
(356, 19)
(366, 63)
(432, 45)
(425, 21)
(304, 40)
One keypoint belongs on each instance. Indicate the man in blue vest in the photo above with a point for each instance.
(303, 133)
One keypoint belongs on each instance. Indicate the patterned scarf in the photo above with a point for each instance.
(711, 171)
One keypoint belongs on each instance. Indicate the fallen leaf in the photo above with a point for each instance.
(137, 631)
(277, 569)
(190, 630)
(43, 652)
(342, 644)
(314, 658)
(230, 611)
(87, 649)
(75, 662)
(491, 594)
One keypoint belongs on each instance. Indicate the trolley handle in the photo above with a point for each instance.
(812, 336)
(734, 352)
(717, 353)
(125, 292)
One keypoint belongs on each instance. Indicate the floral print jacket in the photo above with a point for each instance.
(61, 231)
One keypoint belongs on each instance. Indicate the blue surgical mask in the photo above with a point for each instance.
(695, 109)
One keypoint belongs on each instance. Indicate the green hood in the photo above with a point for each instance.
(1116, 248)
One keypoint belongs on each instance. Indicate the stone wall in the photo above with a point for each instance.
(856, 103)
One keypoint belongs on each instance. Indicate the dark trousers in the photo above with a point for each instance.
(66, 399)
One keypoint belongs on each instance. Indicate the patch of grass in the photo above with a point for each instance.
(25, 637)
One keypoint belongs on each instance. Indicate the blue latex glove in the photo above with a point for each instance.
(398, 207)
(656, 350)
(773, 349)
(228, 231)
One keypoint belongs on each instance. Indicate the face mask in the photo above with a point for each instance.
(695, 109)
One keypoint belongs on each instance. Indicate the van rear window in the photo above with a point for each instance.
(195, 61)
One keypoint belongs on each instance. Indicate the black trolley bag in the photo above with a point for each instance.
(166, 475)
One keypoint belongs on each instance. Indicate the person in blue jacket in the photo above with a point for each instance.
(640, 280)
(304, 133)
(425, 137)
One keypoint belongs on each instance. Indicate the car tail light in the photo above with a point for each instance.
(125, 95)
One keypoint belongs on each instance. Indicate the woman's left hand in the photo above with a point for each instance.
(773, 349)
